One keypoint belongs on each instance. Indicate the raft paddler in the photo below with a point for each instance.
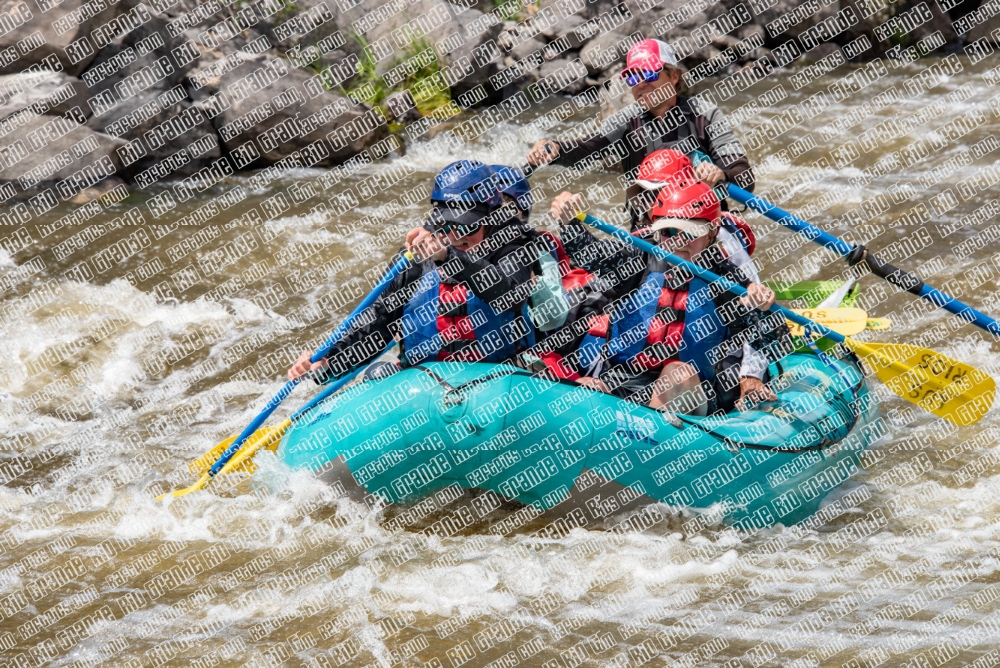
(562, 297)
(670, 340)
(667, 120)
(465, 297)
(662, 169)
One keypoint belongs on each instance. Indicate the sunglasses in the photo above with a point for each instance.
(460, 230)
(635, 77)
(671, 232)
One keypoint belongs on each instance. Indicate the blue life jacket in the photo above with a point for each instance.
(461, 327)
(633, 338)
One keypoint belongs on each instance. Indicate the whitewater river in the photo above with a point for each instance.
(119, 372)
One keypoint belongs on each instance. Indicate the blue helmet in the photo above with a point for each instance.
(468, 181)
(513, 183)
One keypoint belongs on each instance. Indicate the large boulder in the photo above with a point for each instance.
(990, 29)
(136, 115)
(304, 22)
(275, 111)
(519, 49)
(932, 20)
(791, 18)
(824, 50)
(159, 121)
(594, 8)
(205, 72)
(161, 125)
(672, 21)
(602, 54)
(563, 76)
(567, 27)
(476, 48)
(63, 43)
(150, 47)
(43, 154)
(44, 91)
(865, 27)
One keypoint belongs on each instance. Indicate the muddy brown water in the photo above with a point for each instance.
(140, 347)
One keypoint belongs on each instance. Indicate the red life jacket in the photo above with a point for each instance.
(666, 328)
(572, 279)
(445, 322)
(665, 332)
(455, 326)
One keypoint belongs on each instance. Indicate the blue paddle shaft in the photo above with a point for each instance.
(333, 387)
(327, 391)
(706, 275)
(902, 279)
(349, 321)
(322, 352)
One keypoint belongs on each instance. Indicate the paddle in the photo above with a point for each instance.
(904, 280)
(939, 384)
(275, 401)
(879, 324)
(262, 438)
(268, 436)
(846, 321)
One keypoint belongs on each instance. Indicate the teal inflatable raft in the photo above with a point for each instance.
(565, 450)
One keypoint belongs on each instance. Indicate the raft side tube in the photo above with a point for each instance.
(567, 450)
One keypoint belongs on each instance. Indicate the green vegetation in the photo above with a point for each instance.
(316, 66)
(425, 84)
(286, 11)
(367, 77)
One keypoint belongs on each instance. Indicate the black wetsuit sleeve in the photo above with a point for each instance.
(573, 152)
(375, 329)
(579, 152)
(610, 259)
(725, 149)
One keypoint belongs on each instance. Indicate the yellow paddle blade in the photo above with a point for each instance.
(205, 462)
(267, 437)
(844, 321)
(879, 324)
(202, 481)
(950, 389)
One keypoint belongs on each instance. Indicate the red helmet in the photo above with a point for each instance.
(665, 168)
(695, 201)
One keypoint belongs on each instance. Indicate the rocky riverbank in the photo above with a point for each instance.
(94, 95)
